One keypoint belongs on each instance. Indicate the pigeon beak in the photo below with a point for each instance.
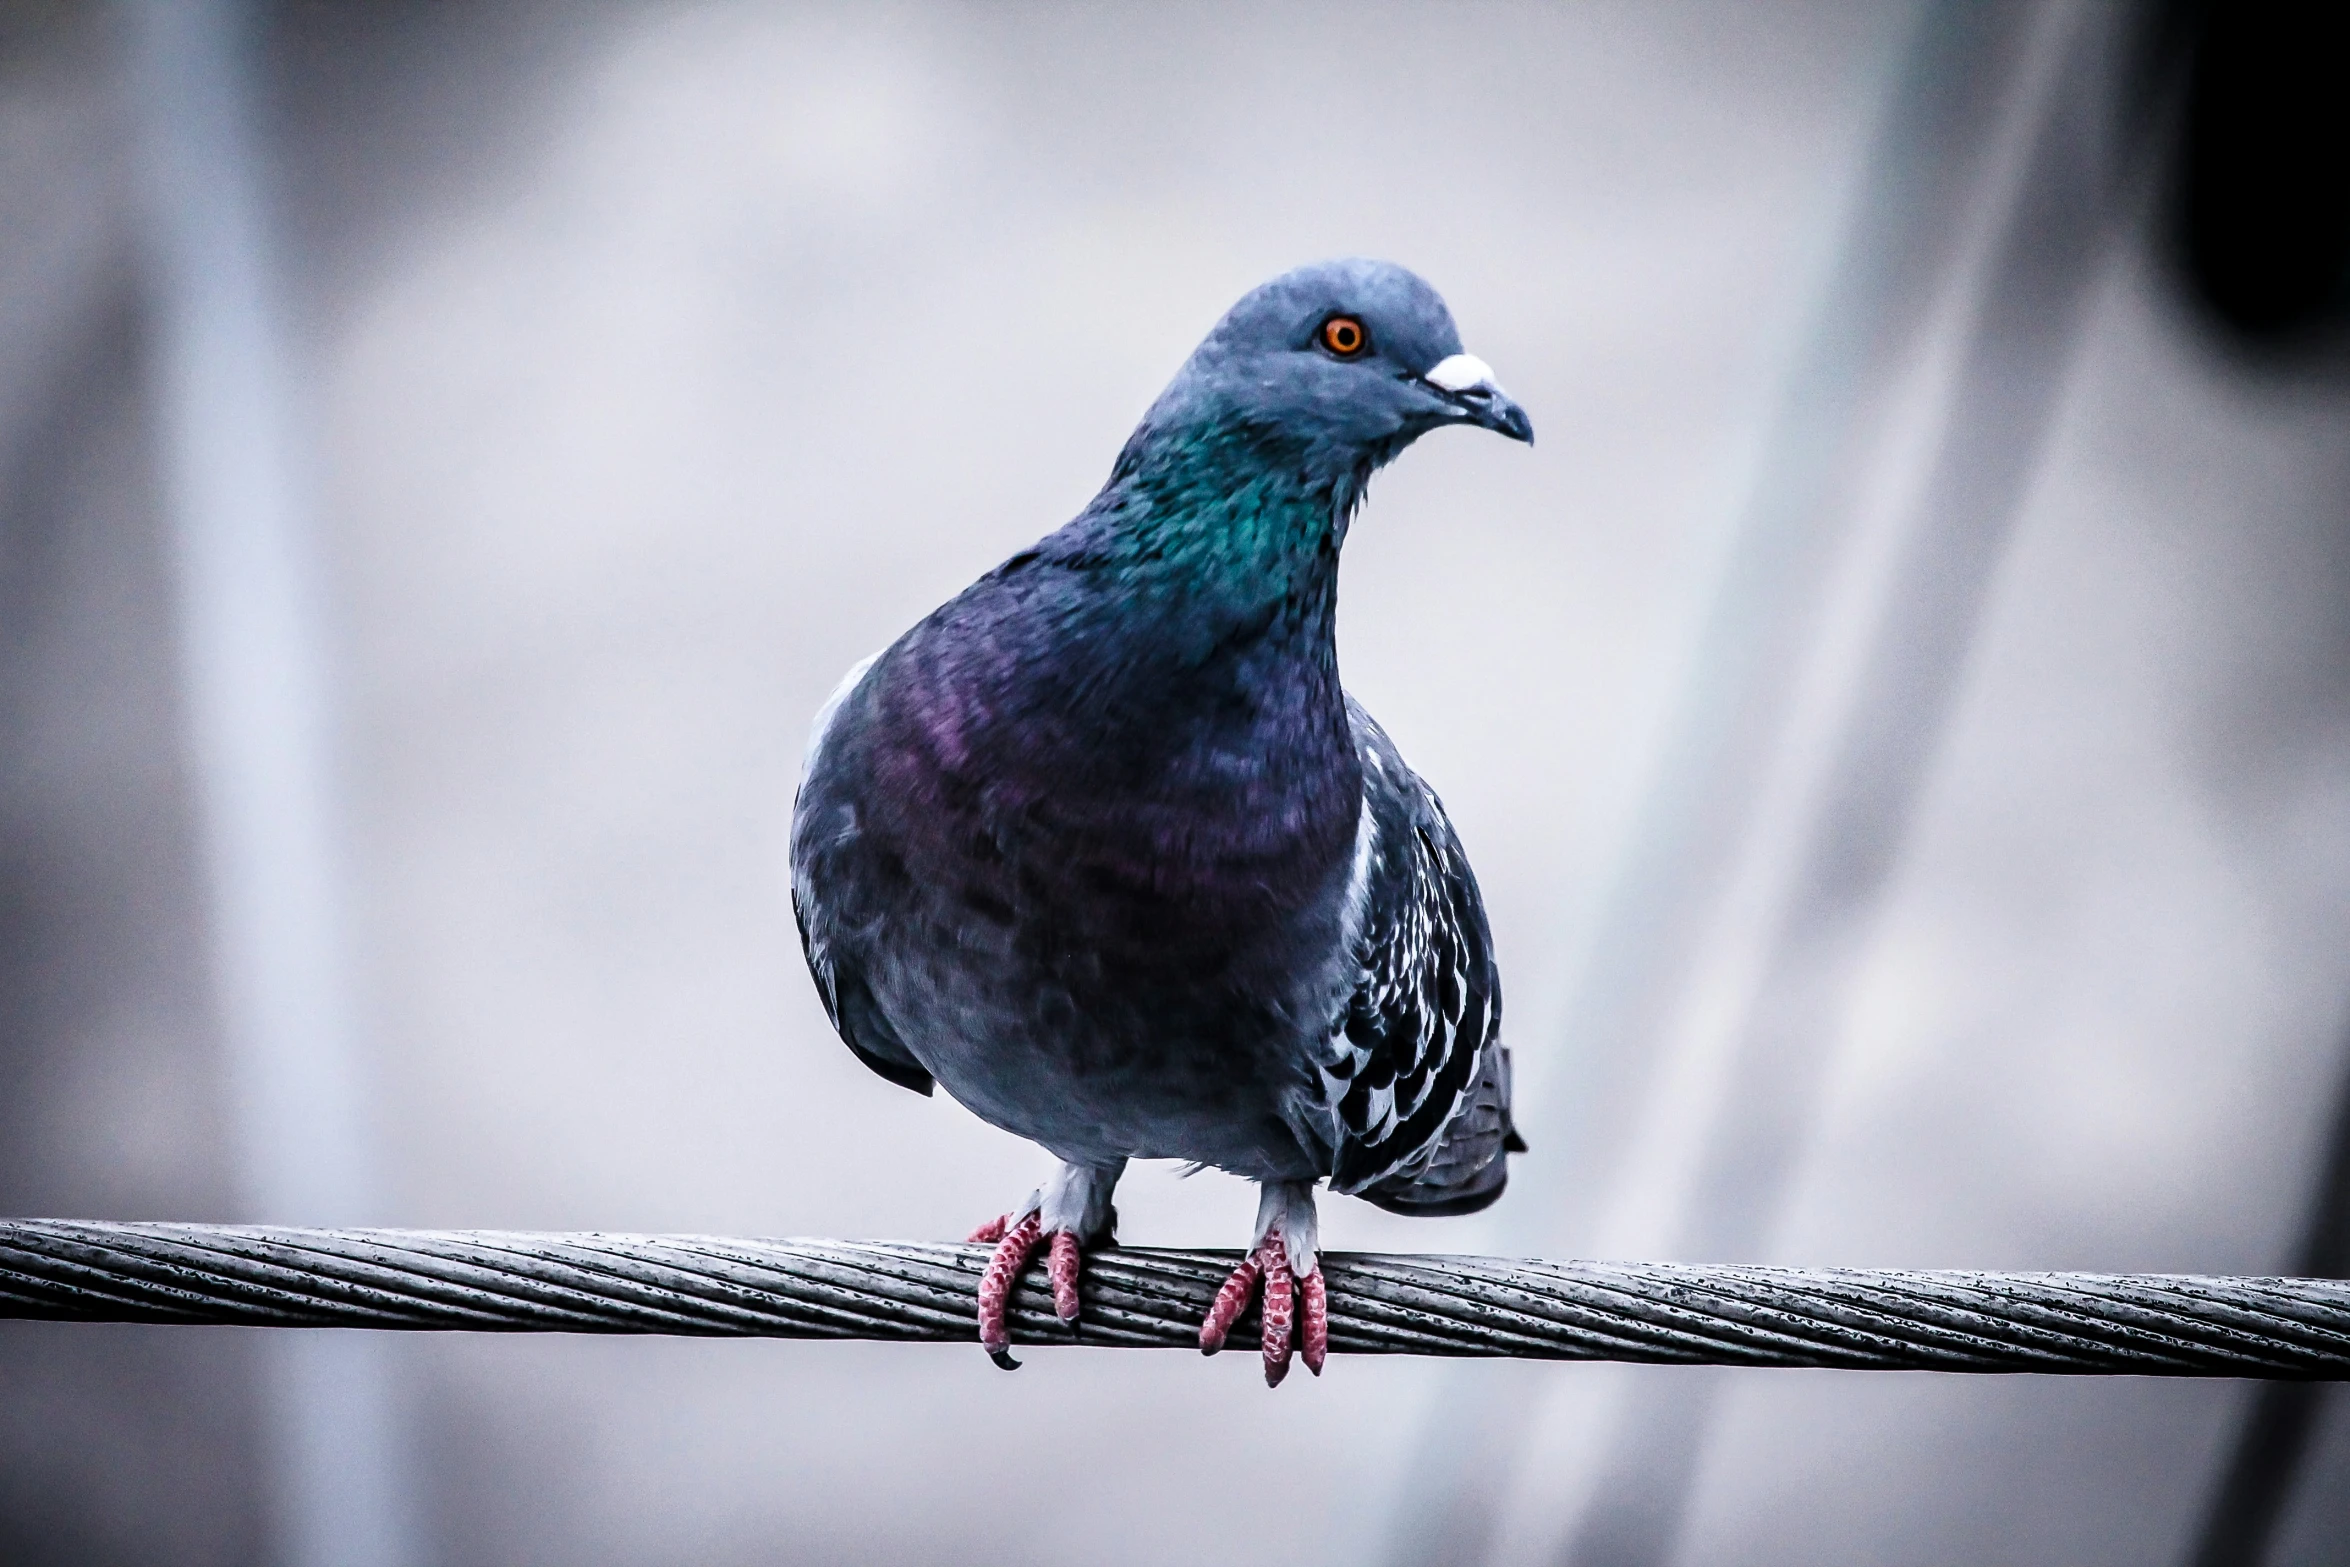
(1466, 381)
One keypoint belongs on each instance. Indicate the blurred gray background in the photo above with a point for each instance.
(1900, 715)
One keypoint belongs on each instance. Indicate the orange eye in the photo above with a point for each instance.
(1345, 336)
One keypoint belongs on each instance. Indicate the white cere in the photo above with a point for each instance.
(1459, 372)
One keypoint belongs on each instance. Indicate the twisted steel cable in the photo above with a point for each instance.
(1688, 1313)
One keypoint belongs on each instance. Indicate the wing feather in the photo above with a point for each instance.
(1416, 1079)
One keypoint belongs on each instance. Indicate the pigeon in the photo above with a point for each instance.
(1103, 847)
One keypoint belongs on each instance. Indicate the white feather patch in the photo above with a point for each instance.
(1290, 1205)
(824, 714)
(1358, 877)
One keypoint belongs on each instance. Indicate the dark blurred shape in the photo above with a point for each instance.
(2281, 1419)
(2261, 208)
(2262, 202)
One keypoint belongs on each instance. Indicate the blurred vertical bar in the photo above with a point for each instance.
(1952, 69)
(1910, 426)
(260, 733)
(2049, 226)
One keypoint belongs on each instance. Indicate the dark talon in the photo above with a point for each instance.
(1003, 1359)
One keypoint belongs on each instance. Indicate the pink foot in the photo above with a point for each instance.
(1285, 1291)
(1016, 1240)
(1015, 1244)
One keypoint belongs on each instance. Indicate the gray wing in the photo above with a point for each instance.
(1418, 1082)
(823, 862)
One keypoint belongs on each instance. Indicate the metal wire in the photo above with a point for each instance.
(1685, 1313)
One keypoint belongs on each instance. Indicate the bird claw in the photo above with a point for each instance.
(1297, 1309)
(1016, 1241)
(1061, 1268)
(1315, 1320)
(1014, 1246)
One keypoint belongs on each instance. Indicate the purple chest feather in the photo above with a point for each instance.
(1115, 798)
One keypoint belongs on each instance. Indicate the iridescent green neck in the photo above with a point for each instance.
(1225, 512)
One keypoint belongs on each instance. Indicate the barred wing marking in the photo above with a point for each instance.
(1413, 1047)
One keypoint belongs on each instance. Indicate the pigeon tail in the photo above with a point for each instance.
(1468, 1168)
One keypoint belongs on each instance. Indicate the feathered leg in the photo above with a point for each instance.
(1283, 1260)
(1073, 1209)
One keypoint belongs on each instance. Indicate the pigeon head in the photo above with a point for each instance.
(1333, 369)
(1241, 481)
